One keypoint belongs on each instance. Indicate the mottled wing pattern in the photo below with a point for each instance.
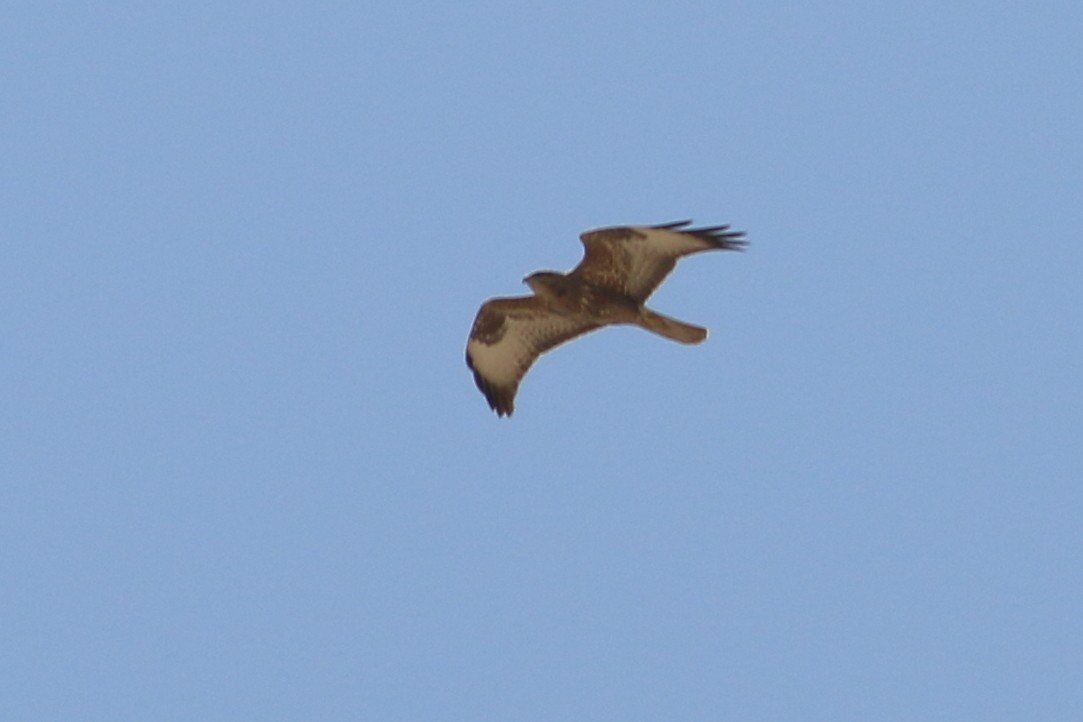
(507, 336)
(634, 260)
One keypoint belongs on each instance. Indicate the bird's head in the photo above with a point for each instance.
(542, 281)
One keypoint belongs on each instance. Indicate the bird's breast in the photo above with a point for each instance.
(584, 299)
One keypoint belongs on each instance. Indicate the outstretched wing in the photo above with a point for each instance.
(508, 335)
(634, 260)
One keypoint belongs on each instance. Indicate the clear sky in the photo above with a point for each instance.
(246, 473)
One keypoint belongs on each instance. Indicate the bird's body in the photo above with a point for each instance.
(621, 268)
(570, 295)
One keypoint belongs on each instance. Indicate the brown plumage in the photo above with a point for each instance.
(620, 269)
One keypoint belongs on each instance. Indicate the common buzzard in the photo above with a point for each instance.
(620, 269)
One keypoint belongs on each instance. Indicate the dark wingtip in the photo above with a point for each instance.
(673, 225)
(500, 400)
(720, 236)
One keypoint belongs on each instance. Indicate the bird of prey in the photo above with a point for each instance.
(620, 269)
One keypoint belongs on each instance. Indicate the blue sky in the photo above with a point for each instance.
(248, 475)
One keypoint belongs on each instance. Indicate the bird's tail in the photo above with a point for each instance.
(671, 328)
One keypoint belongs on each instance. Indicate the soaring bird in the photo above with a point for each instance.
(621, 268)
